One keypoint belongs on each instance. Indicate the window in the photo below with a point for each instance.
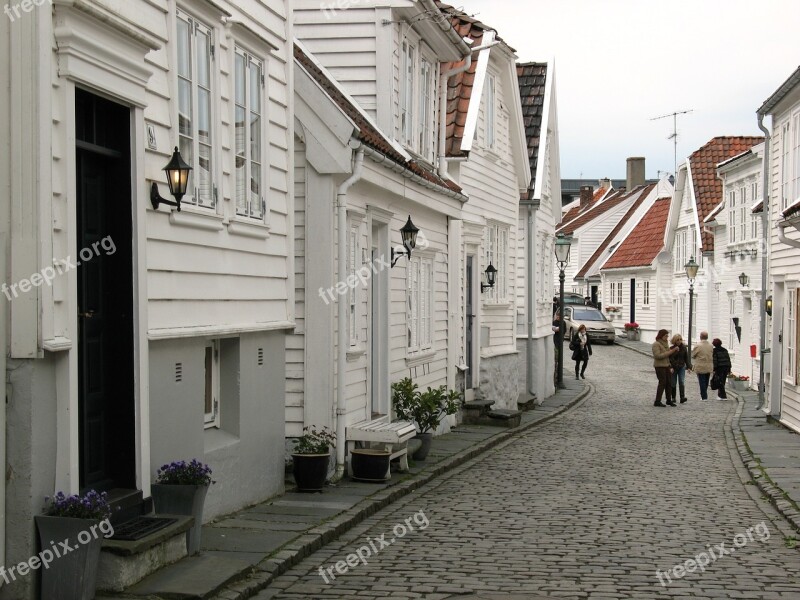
(212, 384)
(790, 338)
(417, 93)
(419, 313)
(680, 250)
(352, 268)
(732, 216)
(497, 255)
(407, 94)
(619, 293)
(744, 209)
(754, 218)
(491, 111)
(195, 44)
(645, 293)
(785, 164)
(425, 105)
(796, 153)
(249, 84)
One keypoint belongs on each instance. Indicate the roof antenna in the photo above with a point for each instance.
(674, 136)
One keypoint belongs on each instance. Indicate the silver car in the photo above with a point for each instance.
(598, 328)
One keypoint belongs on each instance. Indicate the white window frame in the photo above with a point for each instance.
(786, 164)
(408, 56)
(497, 248)
(680, 250)
(246, 205)
(192, 138)
(732, 216)
(491, 112)
(353, 264)
(646, 293)
(420, 309)
(795, 188)
(790, 338)
(754, 218)
(211, 419)
(418, 76)
(425, 109)
(743, 210)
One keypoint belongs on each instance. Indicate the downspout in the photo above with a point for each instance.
(341, 318)
(531, 303)
(762, 326)
(782, 236)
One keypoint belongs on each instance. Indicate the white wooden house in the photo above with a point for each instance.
(782, 199)
(369, 143)
(738, 250)
(166, 342)
(539, 213)
(698, 192)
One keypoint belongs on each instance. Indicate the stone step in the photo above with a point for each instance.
(506, 417)
(474, 411)
(526, 402)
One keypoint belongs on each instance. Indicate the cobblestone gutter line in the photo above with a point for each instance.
(291, 554)
(776, 496)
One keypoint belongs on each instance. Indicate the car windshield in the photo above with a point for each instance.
(588, 315)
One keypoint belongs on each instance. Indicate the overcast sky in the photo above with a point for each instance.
(620, 63)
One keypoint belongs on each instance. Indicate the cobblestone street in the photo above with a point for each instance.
(590, 505)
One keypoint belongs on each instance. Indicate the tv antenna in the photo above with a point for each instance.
(674, 135)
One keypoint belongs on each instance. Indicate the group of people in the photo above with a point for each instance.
(710, 361)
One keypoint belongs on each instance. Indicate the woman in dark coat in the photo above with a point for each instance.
(678, 362)
(722, 366)
(581, 350)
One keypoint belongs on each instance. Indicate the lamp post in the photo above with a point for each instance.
(691, 272)
(562, 258)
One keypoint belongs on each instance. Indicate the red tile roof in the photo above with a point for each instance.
(593, 212)
(617, 228)
(532, 77)
(368, 133)
(646, 240)
(575, 210)
(707, 187)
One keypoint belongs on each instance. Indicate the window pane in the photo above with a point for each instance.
(255, 87)
(209, 391)
(255, 190)
(240, 80)
(241, 182)
(185, 108)
(204, 116)
(184, 49)
(204, 184)
(203, 59)
(255, 137)
(187, 152)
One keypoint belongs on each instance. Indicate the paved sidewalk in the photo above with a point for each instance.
(770, 451)
(244, 552)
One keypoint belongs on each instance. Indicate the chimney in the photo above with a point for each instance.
(587, 192)
(605, 183)
(635, 172)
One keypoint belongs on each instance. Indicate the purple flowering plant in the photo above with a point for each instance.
(184, 473)
(92, 505)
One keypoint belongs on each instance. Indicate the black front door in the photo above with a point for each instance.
(104, 261)
(633, 301)
(470, 322)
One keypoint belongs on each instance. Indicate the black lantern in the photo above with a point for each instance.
(691, 269)
(177, 178)
(408, 232)
(691, 274)
(768, 305)
(491, 276)
(744, 280)
(562, 250)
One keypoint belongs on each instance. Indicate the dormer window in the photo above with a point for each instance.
(417, 92)
(491, 112)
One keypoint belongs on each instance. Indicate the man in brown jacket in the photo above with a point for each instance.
(703, 363)
(661, 354)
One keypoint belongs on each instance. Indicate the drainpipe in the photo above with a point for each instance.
(531, 303)
(341, 355)
(762, 326)
(782, 236)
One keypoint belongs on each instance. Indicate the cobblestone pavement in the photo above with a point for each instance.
(588, 506)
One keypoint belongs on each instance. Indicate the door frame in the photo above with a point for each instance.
(378, 222)
(472, 297)
(633, 301)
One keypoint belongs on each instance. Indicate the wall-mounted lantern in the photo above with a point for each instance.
(768, 305)
(177, 178)
(744, 280)
(408, 232)
(491, 276)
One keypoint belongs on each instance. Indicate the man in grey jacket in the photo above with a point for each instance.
(702, 363)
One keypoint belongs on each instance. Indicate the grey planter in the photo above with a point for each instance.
(72, 576)
(425, 439)
(634, 335)
(740, 386)
(182, 500)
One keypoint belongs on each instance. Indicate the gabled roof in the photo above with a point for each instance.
(705, 183)
(615, 231)
(645, 241)
(593, 212)
(779, 94)
(532, 77)
(368, 132)
(576, 210)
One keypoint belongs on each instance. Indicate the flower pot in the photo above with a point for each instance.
(370, 464)
(310, 471)
(182, 500)
(634, 335)
(739, 385)
(425, 439)
(73, 575)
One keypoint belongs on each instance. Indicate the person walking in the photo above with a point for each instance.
(722, 366)
(661, 355)
(678, 363)
(581, 351)
(703, 363)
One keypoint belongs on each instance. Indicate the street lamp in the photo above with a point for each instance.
(744, 280)
(177, 178)
(562, 258)
(691, 272)
(491, 276)
(408, 233)
(768, 305)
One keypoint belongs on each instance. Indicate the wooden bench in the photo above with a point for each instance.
(393, 437)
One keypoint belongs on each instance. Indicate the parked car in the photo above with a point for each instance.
(598, 328)
(573, 298)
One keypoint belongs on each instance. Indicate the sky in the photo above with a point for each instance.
(620, 63)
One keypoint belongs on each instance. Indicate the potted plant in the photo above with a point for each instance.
(739, 382)
(633, 331)
(311, 457)
(426, 409)
(180, 489)
(77, 519)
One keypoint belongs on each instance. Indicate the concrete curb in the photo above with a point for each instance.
(758, 475)
(314, 539)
